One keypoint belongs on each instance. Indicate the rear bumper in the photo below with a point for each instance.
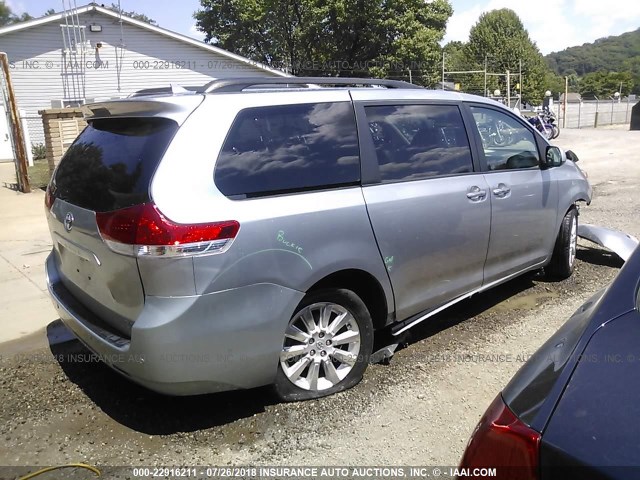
(189, 345)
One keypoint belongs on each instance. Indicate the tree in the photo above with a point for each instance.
(7, 17)
(455, 60)
(334, 37)
(556, 83)
(268, 31)
(132, 14)
(500, 39)
(49, 12)
(605, 84)
(22, 18)
(5, 14)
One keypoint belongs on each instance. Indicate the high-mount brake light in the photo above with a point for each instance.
(143, 231)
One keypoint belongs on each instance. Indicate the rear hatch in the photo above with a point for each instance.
(106, 170)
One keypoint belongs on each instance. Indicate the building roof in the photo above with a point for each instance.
(92, 7)
(572, 97)
(446, 86)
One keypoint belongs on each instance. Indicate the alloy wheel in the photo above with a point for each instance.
(573, 241)
(321, 346)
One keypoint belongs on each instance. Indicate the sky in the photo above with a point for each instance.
(552, 24)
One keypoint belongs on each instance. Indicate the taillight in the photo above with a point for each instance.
(142, 230)
(502, 441)
(48, 198)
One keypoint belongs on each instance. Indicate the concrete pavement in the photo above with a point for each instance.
(24, 245)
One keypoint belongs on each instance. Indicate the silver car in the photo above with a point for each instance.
(249, 233)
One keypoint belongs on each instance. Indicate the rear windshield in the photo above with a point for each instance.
(110, 164)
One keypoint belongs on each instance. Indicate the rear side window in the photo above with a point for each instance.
(110, 164)
(288, 148)
(419, 141)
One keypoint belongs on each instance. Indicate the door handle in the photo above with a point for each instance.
(476, 193)
(501, 190)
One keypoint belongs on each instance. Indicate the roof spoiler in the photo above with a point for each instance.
(171, 107)
(172, 89)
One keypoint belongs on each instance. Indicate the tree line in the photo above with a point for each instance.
(601, 68)
(401, 39)
(8, 17)
(331, 37)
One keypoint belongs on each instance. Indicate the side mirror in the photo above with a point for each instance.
(571, 156)
(554, 157)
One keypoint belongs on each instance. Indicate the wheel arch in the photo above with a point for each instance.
(573, 205)
(363, 284)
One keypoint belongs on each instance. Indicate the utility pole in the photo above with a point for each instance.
(443, 70)
(520, 80)
(16, 127)
(564, 104)
(620, 92)
(508, 89)
(410, 78)
(485, 75)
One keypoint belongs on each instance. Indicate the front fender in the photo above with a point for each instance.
(573, 187)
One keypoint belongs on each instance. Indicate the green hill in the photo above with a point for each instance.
(619, 54)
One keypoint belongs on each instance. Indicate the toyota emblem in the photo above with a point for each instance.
(68, 221)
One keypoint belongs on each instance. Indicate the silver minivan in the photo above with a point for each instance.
(248, 233)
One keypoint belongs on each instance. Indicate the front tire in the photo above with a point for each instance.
(564, 253)
(326, 347)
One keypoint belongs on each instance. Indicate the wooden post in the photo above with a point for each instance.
(16, 127)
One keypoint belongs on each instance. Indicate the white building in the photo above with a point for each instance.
(92, 54)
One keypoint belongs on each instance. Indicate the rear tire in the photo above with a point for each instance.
(563, 259)
(326, 347)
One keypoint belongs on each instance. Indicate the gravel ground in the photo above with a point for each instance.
(56, 406)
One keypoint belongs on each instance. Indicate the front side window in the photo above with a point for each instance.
(413, 142)
(506, 142)
(289, 148)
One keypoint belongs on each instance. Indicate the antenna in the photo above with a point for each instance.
(74, 47)
(121, 47)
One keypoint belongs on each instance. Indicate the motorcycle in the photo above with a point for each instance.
(540, 124)
(496, 134)
(550, 117)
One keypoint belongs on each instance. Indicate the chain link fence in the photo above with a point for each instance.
(593, 112)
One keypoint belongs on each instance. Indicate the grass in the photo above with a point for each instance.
(39, 174)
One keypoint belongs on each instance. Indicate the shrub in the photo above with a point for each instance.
(39, 151)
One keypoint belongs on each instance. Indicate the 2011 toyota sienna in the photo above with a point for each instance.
(249, 233)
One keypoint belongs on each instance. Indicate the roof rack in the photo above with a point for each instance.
(239, 84)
